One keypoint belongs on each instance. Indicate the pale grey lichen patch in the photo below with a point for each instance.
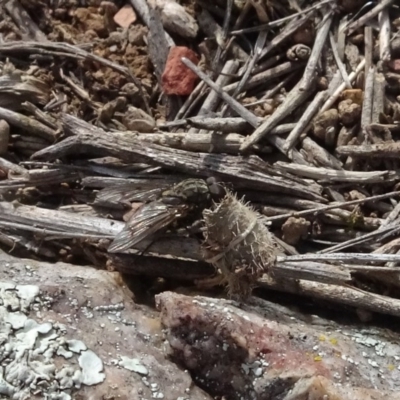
(16, 319)
(7, 298)
(61, 351)
(28, 350)
(27, 295)
(76, 346)
(133, 364)
(5, 388)
(91, 366)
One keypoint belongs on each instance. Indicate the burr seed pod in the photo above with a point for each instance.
(238, 244)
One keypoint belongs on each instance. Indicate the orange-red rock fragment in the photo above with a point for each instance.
(125, 16)
(177, 78)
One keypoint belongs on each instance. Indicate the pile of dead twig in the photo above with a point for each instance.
(295, 108)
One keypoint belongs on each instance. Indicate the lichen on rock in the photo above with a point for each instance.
(35, 358)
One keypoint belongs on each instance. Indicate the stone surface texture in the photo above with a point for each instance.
(177, 78)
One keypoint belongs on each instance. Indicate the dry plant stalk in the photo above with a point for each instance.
(238, 244)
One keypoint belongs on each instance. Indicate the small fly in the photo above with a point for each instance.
(184, 200)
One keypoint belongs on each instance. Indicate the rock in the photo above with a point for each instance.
(265, 351)
(177, 78)
(66, 327)
(137, 120)
(325, 126)
(125, 16)
(90, 19)
(355, 95)
(295, 229)
(349, 112)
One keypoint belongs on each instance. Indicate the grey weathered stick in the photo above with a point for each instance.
(376, 235)
(268, 94)
(383, 127)
(309, 73)
(269, 63)
(18, 88)
(320, 209)
(332, 99)
(41, 177)
(262, 37)
(234, 104)
(332, 175)
(384, 35)
(190, 100)
(266, 76)
(280, 21)
(11, 240)
(212, 29)
(335, 293)
(382, 150)
(339, 62)
(220, 54)
(393, 216)
(293, 154)
(29, 144)
(13, 170)
(49, 234)
(304, 123)
(368, 16)
(330, 235)
(197, 142)
(366, 114)
(368, 45)
(224, 125)
(319, 155)
(28, 124)
(221, 124)
(142, 8)
(158, 44)
(344, 257)
(70, 225)
(295, 98)
(304, 120)
(341, 37)
(292, 27)
(212, 100)
(244, 169)
(80, 91)
(63, 50)
(311, 271)
(379, 97)
(41, 116)
(28, 28)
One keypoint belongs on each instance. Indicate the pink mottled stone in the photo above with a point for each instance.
(395, 65)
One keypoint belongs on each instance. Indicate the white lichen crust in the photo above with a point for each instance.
(36, 360)
(238, 244)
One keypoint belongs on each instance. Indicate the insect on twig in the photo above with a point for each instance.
(185, 200)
